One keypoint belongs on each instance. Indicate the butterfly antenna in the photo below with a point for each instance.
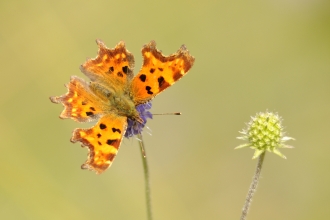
(173, 113)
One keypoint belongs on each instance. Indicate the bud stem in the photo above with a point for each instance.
(253, 187)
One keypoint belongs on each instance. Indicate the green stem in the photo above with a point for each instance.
(146, 177)
(253, 187)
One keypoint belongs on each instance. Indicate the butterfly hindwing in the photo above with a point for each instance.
(103, 141)
(159, 72)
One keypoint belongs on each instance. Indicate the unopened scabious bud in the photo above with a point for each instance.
(265, 132)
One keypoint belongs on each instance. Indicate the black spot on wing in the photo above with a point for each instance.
(125, 69)
(161, 81)
(148, 88)
(111, 141)
(120, 74)
(103, 126)
(116, 130)
(143, 77)
(89, 113)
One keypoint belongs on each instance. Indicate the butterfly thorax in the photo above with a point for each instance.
(125, 107)
(116, 101)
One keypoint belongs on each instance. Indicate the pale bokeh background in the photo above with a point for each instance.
(250, 56)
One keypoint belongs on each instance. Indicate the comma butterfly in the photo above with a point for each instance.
(114, 95)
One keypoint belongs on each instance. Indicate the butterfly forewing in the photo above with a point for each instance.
(159, 72)
(112, 67)
(80, 103)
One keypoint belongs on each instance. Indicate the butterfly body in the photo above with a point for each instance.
(119, 102)
(113, 95)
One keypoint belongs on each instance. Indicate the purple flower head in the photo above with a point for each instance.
(134, 127)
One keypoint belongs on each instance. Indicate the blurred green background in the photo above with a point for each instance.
(250, 56)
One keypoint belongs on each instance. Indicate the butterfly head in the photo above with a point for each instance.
(136, 125)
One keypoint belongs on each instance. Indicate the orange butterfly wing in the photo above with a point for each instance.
(159, 72)
(80, 103)
(103, 141)
(112, 67)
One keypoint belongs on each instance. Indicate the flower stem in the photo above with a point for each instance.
(253, 187)
(146, 177)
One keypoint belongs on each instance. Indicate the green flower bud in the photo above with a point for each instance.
(265, 132)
